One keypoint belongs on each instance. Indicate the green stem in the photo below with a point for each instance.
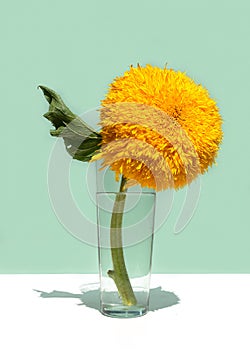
(119, 273)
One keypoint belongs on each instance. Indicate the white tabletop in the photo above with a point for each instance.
(191, 311)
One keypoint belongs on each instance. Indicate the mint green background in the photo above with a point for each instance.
(77, 48)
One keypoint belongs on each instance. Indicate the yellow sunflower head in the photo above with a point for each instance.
(159, 128)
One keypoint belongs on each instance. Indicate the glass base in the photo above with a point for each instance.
(120, 311)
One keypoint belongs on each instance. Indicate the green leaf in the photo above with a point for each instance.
(81, 141)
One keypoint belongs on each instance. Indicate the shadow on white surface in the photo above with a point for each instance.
(90, 297)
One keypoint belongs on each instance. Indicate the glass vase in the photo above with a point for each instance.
(125, 240)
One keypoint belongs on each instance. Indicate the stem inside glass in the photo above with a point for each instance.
(119, 273)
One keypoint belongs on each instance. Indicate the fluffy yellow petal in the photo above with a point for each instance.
(159, 128)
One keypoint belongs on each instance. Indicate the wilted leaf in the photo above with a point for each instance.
(80, 139)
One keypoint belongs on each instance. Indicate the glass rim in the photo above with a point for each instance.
(132, 192)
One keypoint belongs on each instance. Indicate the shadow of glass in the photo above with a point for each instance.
(159, 298)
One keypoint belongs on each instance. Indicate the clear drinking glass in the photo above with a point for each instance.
(125, 240)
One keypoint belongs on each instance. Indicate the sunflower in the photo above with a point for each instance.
(159, 128)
